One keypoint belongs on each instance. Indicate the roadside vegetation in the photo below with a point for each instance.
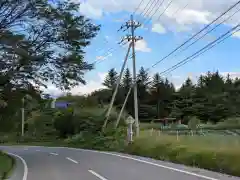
(43, 42)
(7, 164)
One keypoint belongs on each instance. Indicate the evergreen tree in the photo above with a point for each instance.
(111, 79)
(127, 80)
(125, 86)
(157, 93)
(143, 82)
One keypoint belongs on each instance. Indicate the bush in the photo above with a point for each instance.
(64, 123)
(70, 122)
(40, 124)
(109, 140)
(192, 151)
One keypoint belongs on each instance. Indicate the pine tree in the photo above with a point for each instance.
(111, 79)
(125, 86)
(127, 79)
(143, 82)
(157, 93)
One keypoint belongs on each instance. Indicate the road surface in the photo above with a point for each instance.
(39, 163)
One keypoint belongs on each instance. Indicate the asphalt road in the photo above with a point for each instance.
(40, 163)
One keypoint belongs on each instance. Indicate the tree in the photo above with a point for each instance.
(143, 82)
(126, 84)
(157, 91)
(43, 41)
(111, 79)
(127, 80)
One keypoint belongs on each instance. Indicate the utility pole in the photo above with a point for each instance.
(116, 88)
(132, 38)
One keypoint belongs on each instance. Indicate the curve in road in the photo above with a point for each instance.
(61, 163)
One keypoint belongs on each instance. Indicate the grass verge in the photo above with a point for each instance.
(219, 154)
(7, 164)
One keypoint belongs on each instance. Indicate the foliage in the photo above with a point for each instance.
(212, 99)
(73, 121)
(40, 124)
(111, 79)
(7, 163)
(40, 42)
(219, 154)
(193, 123)
(109, 140)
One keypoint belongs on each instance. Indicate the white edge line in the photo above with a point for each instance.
(97, 175)
(139, 160)
(71, 160)
(55, 154)
(24, 164)
(146, 162)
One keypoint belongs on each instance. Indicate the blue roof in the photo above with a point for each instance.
(62, 104)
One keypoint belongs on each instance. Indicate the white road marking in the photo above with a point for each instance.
(24, 164)
(148, 162)
(139, 160)
(97, 175)
(25, 149)
(38, 150)
(55, 154)
(71, 160)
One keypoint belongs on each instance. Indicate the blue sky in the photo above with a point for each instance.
(182, 19)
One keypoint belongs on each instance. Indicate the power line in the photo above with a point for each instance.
(168, 5)
(151, 7)
(176, 49)
(111, 50)
(204, 49)
(139, 5)
(156, 10)
(141, 14)
(200, 52)
(180, 9)
(209, 31)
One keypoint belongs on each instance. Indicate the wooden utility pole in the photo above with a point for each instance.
(132, 25)
(116, 88)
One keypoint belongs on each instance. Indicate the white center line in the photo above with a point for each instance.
(97, 175)
(55, 154)
(71, 160)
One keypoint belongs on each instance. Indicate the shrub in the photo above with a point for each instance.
(109, 140)
(64, 123)
(70, 122)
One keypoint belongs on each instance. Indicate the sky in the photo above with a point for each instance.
(166, 24)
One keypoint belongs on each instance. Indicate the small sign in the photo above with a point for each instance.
(130, 120)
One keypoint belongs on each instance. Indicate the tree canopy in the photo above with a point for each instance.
(41, 42)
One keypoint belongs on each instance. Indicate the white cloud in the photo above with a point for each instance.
(91, 11)
(142, 46)
(91, 86)
(236, 34)
(158, 28)
(178, 15)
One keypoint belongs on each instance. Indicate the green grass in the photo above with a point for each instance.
(6, 165)
(220, 153)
